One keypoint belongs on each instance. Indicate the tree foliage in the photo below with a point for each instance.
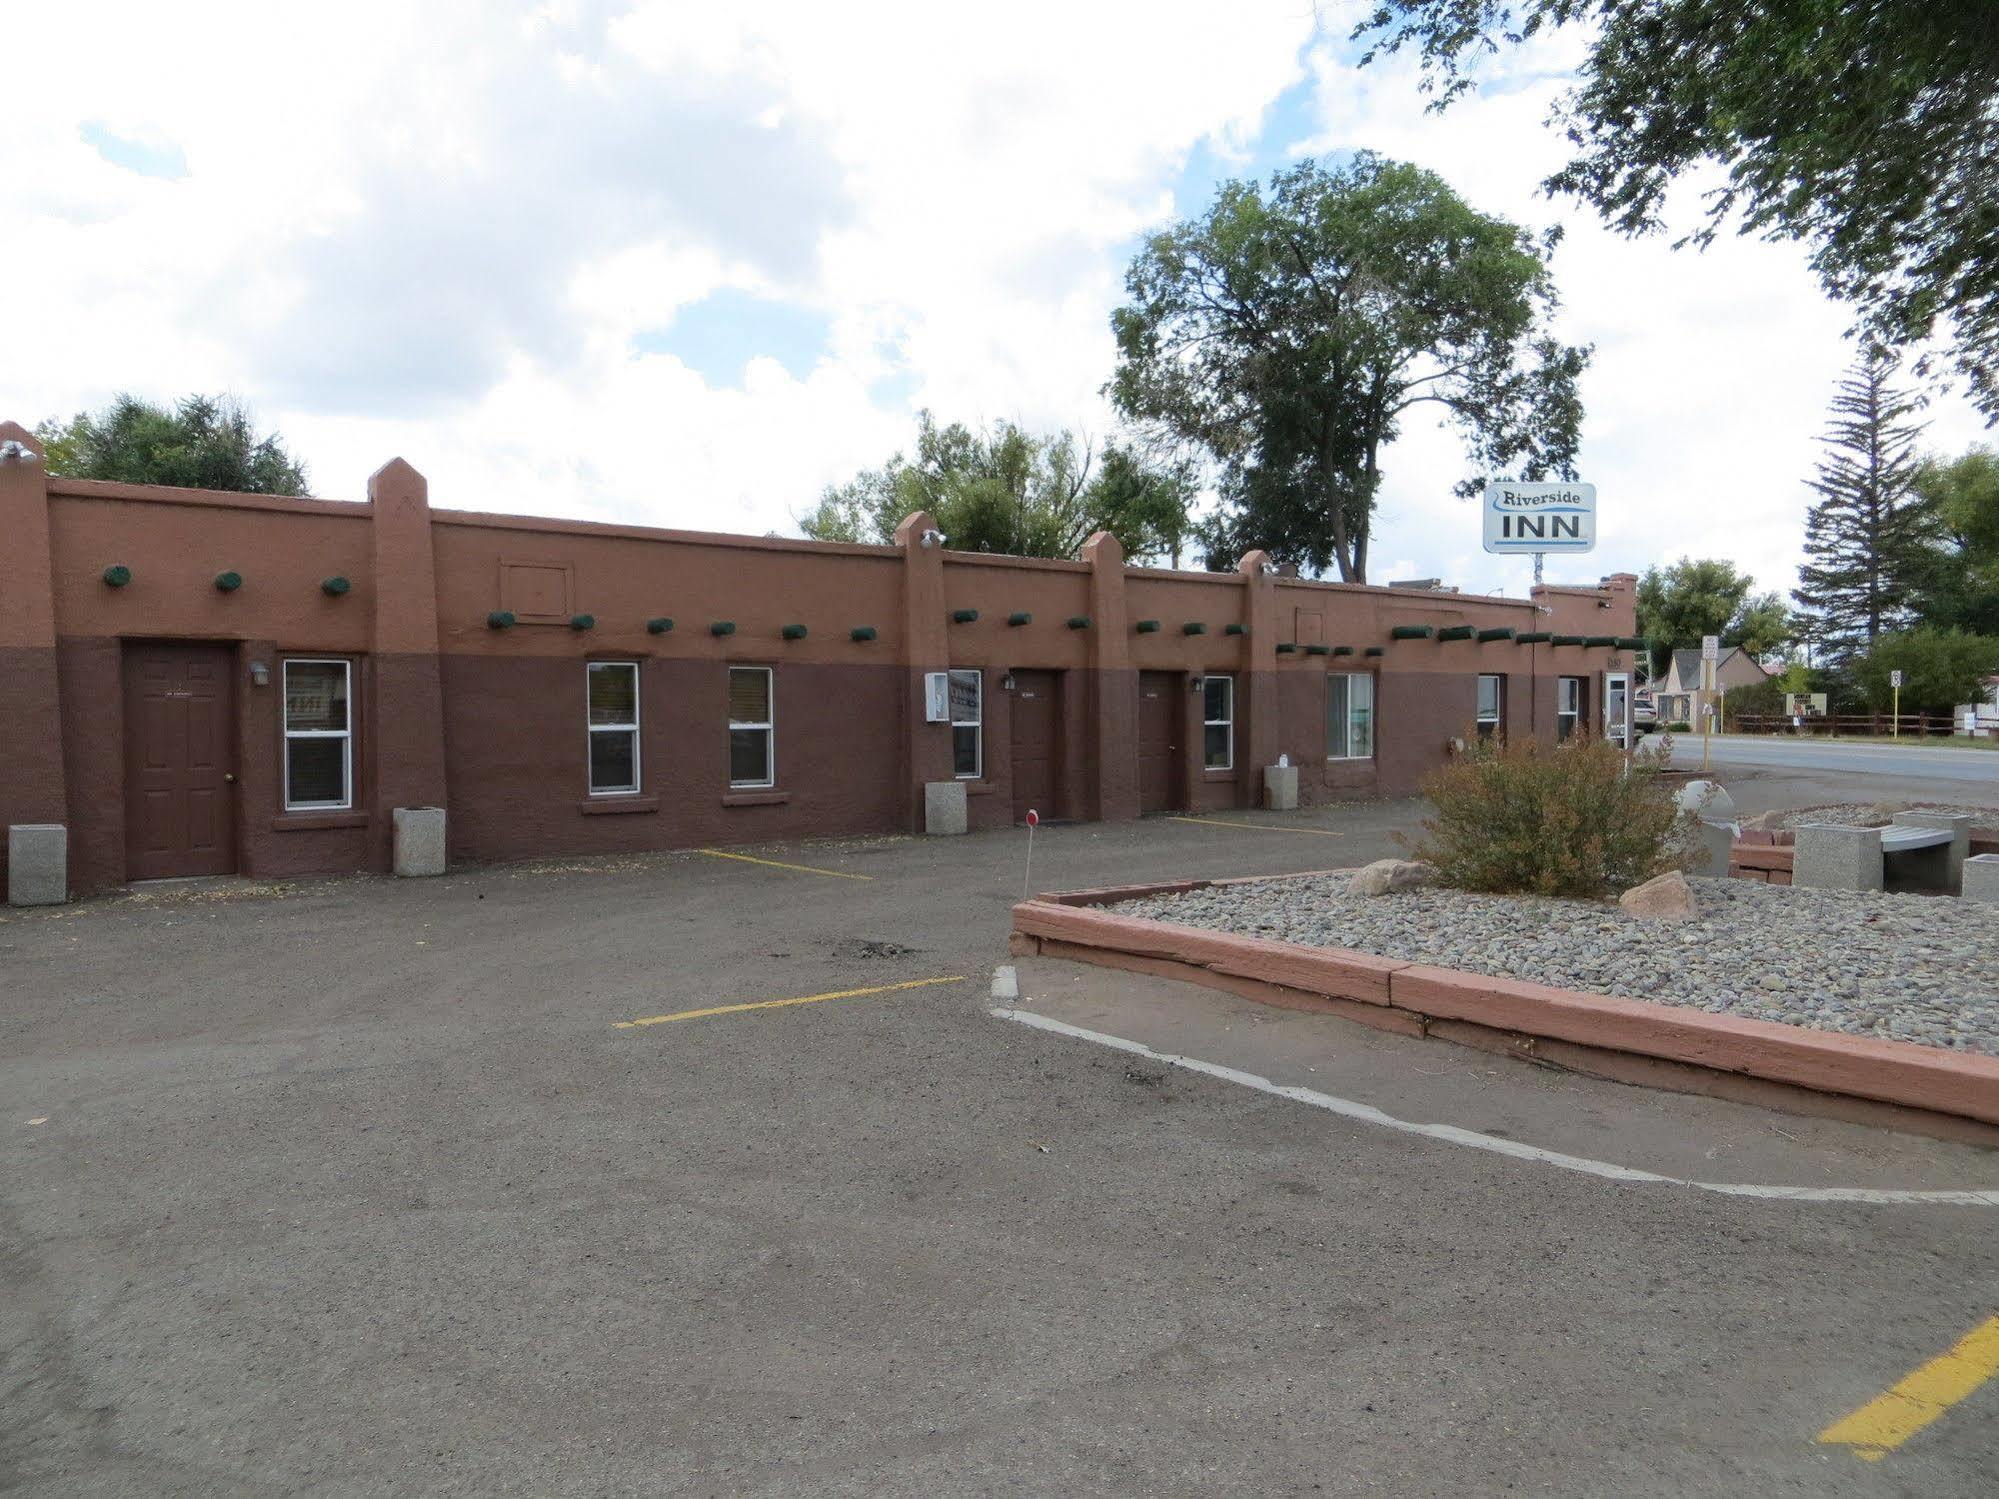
(205, 442)
(1867, 129)
(1957, 579)
(1291, 330)
(1003, 489)
(1940, 669)
(1865, 536)
(1679, 604)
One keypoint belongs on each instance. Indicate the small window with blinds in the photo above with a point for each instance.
(752, 728)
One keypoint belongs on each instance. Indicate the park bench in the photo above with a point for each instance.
(1929, 850)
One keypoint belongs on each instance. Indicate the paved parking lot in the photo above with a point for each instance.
(362, 1187)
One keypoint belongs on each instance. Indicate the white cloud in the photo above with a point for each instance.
(437, 230)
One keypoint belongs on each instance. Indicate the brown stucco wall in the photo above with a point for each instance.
(490, 722)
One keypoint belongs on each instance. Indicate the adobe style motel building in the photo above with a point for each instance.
(200, 683)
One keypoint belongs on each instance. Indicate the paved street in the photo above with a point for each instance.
(1931, 762)
(364, 1187)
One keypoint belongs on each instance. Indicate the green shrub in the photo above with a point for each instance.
(1522, 818)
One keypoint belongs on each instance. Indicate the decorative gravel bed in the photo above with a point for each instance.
(1903, 967)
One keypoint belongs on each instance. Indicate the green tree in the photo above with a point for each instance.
(1865, 536)
(1006, 490)
(205, 442)
(1679, 604)
(1940, 669)
(1289, 331)
(1957, 584)
(1867, 129)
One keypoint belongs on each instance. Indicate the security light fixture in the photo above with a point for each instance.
(932, 538)
(15, 451)
(260, 673)
(1007, 683)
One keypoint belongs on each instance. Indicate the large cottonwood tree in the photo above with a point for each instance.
(1293, 330)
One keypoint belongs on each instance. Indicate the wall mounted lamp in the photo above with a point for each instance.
(932, 538)
(1007, 683)
(260, 674)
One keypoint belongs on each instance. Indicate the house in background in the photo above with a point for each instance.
(1679, 694)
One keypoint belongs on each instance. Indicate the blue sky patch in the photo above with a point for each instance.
(147, 158)
(719, 335)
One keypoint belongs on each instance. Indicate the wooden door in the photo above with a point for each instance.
(1036, 737)
(180, 804)
(1161, 717)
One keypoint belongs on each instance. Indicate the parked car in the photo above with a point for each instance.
(1644, 708)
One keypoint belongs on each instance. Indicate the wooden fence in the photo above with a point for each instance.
(1879, 724)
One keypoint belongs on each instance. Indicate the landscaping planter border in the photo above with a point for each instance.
(1932, 1091)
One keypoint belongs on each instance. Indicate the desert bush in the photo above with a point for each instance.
(1526, 819)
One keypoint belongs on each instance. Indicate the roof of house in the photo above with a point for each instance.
(1686, 665)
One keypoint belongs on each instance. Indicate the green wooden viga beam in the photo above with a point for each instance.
(1504, 632)
(1630, 643)
(1565, 640)
(1532, 637)
(1603, 641)
(1412, 632)
(1457, 632)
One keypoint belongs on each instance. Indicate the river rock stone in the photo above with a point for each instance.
(1665, 897)
(1386, 875)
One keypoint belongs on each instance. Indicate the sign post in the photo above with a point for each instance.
(1895, 708)
(1710, 654)
(1027, 874)
(1539, 518)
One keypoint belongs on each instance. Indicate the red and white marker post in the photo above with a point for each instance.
(1027, 874)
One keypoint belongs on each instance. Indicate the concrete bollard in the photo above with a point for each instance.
(1716, 843)
(1981, 879)
(419, 849)
(1831, 857)
(1280, 788)
(944, 811)
(37, 864)
(1958, 824)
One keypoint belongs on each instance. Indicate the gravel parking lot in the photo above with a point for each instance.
(1905, 967)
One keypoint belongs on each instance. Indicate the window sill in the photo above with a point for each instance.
(312, 822)
(1218, 777)
(1349, 759)
(751, 797)
(977, 788)
(612, 806)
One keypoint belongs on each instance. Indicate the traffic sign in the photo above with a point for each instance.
(1710, 647)
(1895, 678)
(1540, 517)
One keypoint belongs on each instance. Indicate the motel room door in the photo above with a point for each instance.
(180, 804)
(1617, 708)
(1161, 713)
(1035, 735)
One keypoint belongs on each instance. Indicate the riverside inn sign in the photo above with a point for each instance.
(1540, 517)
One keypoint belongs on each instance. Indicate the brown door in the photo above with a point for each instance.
(1036, 734)
(180, 815)
(1160, 713)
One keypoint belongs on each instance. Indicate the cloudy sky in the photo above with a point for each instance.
(686, 264)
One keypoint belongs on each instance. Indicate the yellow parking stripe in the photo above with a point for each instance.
(835, 874)
(1890, 1419)
(1262, 827)
(779, 1004)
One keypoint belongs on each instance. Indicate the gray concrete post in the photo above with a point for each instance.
(37, 864)
(1981, 879)
(419, 840)
(1280, 788)
(944, 811)
(1831, 857)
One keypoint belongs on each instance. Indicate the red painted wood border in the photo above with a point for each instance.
(1956, 1083)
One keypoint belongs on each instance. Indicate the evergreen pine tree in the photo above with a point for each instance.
(1864, 535)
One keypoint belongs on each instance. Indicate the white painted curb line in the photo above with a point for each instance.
(1452, 1135)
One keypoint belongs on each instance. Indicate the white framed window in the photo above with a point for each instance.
(1491, 704)
(613, 727)
(1218, 723)
(968, 706)
(319, 736)
(1568, 706)
(752, 727)
(1350, 715)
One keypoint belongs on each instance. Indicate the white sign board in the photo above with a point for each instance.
(1710, 647)
(1540, 517)
(1895, 678)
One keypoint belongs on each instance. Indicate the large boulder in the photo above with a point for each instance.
(1666, 897)
(1386, 875)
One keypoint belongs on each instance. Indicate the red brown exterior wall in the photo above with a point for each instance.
(491, 723)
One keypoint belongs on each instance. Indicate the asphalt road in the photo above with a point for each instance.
(1926, 762)
(359, 1187)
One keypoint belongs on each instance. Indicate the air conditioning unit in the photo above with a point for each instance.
(937, 697)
